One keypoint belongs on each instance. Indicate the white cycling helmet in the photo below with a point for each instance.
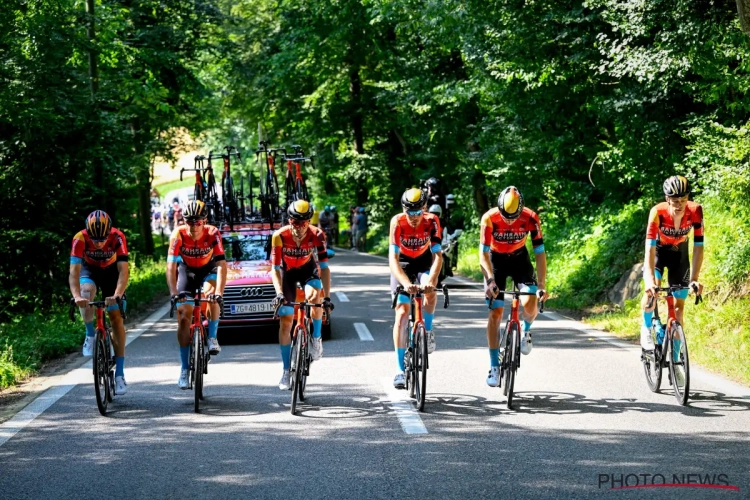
(436, 209)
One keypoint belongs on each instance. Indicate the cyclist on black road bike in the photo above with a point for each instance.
(195, 261)
(299, 255)
(414, 256)
(669, 225)
(503, 255)
(99, 261)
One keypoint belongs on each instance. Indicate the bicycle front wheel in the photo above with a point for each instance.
(101, 373)
(679, 365)
(420, 366)
(297, 368)
(513, 347)
(652, 368)
(197, 368)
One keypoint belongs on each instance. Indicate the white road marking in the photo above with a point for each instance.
(362, 331)
(407, 415)
(342, 297)
(24, 417)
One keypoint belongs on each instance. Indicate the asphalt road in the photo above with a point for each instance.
(585, 420)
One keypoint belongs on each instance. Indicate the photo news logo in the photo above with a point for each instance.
(644, 480)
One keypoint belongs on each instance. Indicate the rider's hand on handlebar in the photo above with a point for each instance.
(696, 287)
(111, 300)
(542, 294)
(412, 289)
(492, 289)
(180, 297)
(650, 288)
(429, 288)
(81, 302)
(327, 303)
(278, 300)
(215, 297)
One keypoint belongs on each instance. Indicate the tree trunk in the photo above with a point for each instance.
(143, 188)
(355, 89)
(743, 9)
(479, 195)
(94, 87)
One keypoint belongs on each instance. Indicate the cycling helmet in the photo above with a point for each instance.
(98, 225)
(413, 199)
(333, 208)
(510, 203)
(676, 186)
(436, 209)
(194, 210)
(300, 210)
(431, 182)
(327, 208)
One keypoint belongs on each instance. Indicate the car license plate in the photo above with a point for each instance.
(251, 308)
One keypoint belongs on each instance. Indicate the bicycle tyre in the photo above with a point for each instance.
(652, 369)
(510, 377)
(296, 368)
(409, 363)
(682, 394)
(420, 365)
(110, 365)
(101, 378)
(197, 368)
(505, 363)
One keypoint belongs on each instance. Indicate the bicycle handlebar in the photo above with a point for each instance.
(196, 301)
(99, 304)
(670, 291)
(443, 290)
(518, 294)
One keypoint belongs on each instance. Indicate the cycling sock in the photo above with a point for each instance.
(400, 358)
(120, 366)
(676, 345)
(213, 328)
(317, 328)
(90, 329)
(526, 326)
(185, 357)
(648, 316)
(286, 351)
(428, 317)
(494, 357)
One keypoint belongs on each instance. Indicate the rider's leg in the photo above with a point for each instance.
(494, 318)
(399, 329)
(88, 291)
(184, 317)
(118, 339)
(214, 310)
(285, 334)
(314, 293)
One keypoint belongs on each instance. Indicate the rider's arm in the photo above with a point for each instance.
(325, 273)
(697, 245)
(541, 269)
(393, 252)
(436, 240)
(173, 257)
(221, 277)
(220, 260)
(73, 279)
(276, 255)
(485, 239)
(123, 270)
(652, 235)
(437, 264)
(537, 243)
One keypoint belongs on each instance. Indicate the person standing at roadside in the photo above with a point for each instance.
(361, 226)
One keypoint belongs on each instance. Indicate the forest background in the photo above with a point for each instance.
(586, 106)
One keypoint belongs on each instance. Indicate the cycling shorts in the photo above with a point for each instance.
(516, 266)
(190, 279)
(677, 261)
(307, 275)
(417, 269)
(104, 278)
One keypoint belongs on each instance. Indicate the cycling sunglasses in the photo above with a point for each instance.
(98, 242)
(414, 213)
(299, 223)
(195, 222)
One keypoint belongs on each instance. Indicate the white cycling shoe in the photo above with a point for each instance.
(88, 346)
(184, 382)
(430, 341)
(316, 348)
(526, 344)
(285, 382)
(647, 342)
(399, 381)
(213, 346)
(493, 379)
(121, 387)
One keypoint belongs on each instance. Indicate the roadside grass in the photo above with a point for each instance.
(188, 181)
(28, 342)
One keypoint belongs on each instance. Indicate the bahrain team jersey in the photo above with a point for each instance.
(661, 228)
(286, 253)
(195, 253)
(498, 236)
(114, 250)
(412, 242)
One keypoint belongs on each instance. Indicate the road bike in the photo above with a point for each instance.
(511, 359)
(103, 357)
(300, 358)
(205, 187)
(199, 189)
(231, 210)
(269, 183)
(670, 348)
(416, 361)
(294, 184)
(199, 354)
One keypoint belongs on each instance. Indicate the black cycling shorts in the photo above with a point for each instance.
(306, 275)
(414, 269)
(677, 260)
(104, 278)
(190, 279)
(516, 266)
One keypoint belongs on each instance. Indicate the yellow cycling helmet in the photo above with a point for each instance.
(413, 199)
(510, 203)
(300, 210)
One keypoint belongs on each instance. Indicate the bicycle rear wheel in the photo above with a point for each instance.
(197, 368)
(506, 362)
(420, 366)
(652, 368)
(679, 365)
(297, 368)
(510, 374)
(101, 375)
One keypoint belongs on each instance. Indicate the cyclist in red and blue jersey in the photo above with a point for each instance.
(415, 258)
(503, 255)
(669, 224)
(195, 261)
(99, 260)
(299, 255)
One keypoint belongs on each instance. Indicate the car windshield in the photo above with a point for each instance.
(247, 247)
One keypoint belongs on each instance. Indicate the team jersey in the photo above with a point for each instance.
(115, 249)
(287, 254)
(415, 241)
(497, 236)
(661, 228)
(195, 253)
